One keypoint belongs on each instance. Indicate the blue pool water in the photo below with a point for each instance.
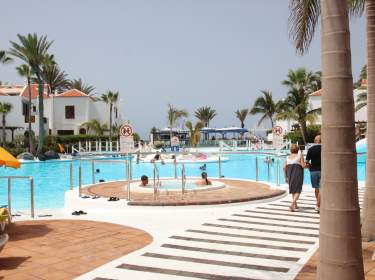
(52, 178)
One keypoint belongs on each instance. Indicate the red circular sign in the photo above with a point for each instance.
(278, 130)
(126, 130)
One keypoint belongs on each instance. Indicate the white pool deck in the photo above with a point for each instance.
(251, 240)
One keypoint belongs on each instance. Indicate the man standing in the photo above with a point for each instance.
(313, 159)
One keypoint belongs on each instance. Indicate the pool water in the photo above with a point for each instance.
(51, 179)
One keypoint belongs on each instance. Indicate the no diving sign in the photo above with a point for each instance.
(126, 138)
(126, 130)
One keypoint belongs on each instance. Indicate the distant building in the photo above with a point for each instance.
(64, 113)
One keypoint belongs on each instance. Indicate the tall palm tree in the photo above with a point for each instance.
(205, 114)
(33, 50)
(96, 127)
(25, 71)
(174, 115)
(362, 76)
(267, 106)
(339, 219)
(194, 132)
(4, 58)
(55, 78)
(110, 98)
(300, 83)
(303, 19)
(81, 86)
(241, 115)
(5, 108)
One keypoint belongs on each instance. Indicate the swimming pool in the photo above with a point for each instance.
(51, 179)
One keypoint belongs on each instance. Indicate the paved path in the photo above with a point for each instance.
(261, 241)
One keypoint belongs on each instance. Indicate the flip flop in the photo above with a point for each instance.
(95, 197)
(76, 213)
(85, 196)
(82, 212)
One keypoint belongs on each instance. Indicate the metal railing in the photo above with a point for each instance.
(183, 179)
(31, 180)
(156, 181)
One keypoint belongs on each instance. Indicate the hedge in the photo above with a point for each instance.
(296, 136)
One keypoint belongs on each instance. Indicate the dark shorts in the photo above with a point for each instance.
(315, 179)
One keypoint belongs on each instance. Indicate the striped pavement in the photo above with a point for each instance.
(259, 242)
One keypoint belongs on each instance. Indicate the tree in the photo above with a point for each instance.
(174, 115)
(110, 98)
(267, 106)
(362, 76)
(33, 50)
(300, 83)
(241, 115)
(96, 127)
(361, 101)
(4, 58)
(81, 86)
(5, 108)
(25, 71)
(339, 219)
(55, 78)
(205, 114)
(194, 132)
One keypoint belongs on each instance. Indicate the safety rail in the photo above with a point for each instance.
(183, 179)
(31, 179)
(156, 180)
(127, 173)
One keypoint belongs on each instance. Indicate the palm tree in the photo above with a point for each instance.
(5, 108)
(267, 106)
(205, 114)
(241, 115)
(96, 127)
(194, 132)
(362, 76)
(110, 98)
(4, 58)
(340, 221)
(33, 50)
(361, 101)
(81, 86)
(174, 115)
(55, 78)
(25, 71)
(300, 83)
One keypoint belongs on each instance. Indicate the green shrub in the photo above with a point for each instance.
(16, 151)
(296, 136)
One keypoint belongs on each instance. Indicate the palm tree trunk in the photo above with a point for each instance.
(340, 256)
(3, 125)
(302, 126)
(110, 121)
(29, 117)
(368, 222)
(40, 115)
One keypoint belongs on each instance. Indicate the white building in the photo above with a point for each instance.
(64, 113)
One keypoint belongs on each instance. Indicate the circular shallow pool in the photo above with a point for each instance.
(176, 185)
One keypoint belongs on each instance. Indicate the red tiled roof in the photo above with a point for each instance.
(11, 89)
(72, 93)
(34, 91)
(316, 93)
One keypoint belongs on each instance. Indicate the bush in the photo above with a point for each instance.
(16, 151)
(296, 136)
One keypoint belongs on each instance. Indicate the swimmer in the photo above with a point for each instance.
(204, 181)
(144, 181)
(203, 167)
(97, 170)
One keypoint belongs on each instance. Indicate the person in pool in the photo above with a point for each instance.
(144, 181)
(204, 181)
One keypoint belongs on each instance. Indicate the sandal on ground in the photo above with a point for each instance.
(76, 213)
(95, 197)
(82, 212)
(85, 196)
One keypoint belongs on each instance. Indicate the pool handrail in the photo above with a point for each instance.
(31, 180)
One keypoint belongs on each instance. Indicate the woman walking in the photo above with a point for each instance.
(293, 172)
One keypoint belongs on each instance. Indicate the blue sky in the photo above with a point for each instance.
(188, 53)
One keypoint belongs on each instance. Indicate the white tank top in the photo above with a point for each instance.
(294, 160)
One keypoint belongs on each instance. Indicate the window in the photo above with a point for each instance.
(34, 108)
(65, 132)
(69, 112)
